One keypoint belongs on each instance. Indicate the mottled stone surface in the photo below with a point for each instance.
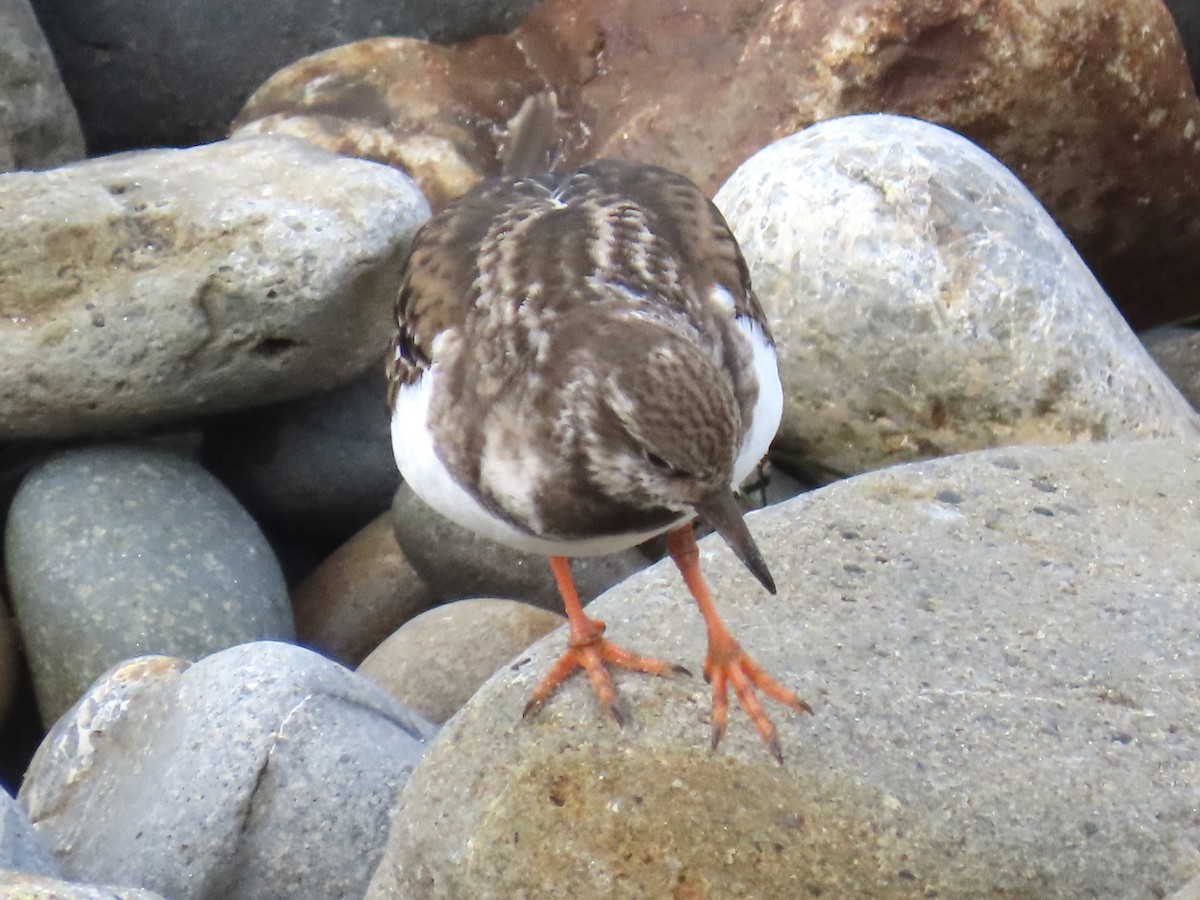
(120, 551)
(193, 281)
(924, 303)
(261, 771)
(359, 595)
(1000, 651)
(150, 74)
(38, 125)
(20, 848)
(1090, 103)
(436, 662)
(322, 465)
(457, 564)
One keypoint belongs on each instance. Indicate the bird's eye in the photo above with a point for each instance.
(662, 465)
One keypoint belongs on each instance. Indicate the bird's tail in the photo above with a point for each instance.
(533, 137)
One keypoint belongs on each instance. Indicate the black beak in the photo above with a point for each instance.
(724, 514)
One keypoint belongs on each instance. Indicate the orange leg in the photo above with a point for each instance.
(588, 650)
(726, 662)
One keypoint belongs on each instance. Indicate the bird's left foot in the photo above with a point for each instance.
(588, 650)
(727, 663)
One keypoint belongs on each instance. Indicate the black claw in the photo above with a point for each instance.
(618, 716)
(717, 734)
(680, 670)
(531, 708)
(776, 750)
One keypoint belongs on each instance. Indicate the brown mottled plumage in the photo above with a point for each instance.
(579, 364)
(540, 277)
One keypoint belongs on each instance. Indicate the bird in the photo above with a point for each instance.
(580, 364)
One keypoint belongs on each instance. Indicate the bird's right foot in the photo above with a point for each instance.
(588, 650)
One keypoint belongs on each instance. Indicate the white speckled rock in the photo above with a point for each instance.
(1001, 652)
(264, 771)
(120, 551)
(924, 303)
(162, 284)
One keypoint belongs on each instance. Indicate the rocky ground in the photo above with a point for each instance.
(239, 660)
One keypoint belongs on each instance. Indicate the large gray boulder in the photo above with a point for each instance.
(1000, 651)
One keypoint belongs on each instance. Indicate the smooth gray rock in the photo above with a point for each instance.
(38, 124)
(1000, 650)
(21, 886)
(10, 655)
(263, 771)
(161, 285)
(20, 848)
(147, 73)
(120, 551)
(1176, 349)
(436, 661)
(924, 303)
(321, 465)
(457, 564)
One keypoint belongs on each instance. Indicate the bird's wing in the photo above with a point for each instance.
(681, 232)
(441, 279)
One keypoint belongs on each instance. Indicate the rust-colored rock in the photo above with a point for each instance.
(1090, 102)
(432, 110)
(358, 596)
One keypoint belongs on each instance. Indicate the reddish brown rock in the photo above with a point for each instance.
(429, 109)
(359, 595)
(1091, 103)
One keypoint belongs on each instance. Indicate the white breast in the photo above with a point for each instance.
(427, 475)
(768, 408)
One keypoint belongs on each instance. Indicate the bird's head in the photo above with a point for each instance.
(671, 431)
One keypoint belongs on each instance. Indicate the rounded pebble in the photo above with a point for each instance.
(123, 550)
(436, 662)
(359, 595)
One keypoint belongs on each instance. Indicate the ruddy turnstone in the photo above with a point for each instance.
(580, 364)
